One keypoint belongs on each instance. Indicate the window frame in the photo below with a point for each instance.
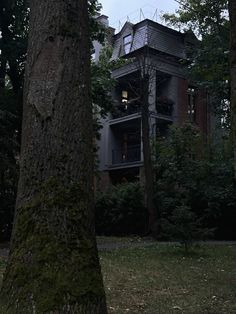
(127, 43)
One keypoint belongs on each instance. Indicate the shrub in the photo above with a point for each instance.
(199, 175)
(120, 210)
(185, 227)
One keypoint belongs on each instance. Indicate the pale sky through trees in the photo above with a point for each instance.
(118, 10)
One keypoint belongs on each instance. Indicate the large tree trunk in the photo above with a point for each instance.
(232, 12)
(53, 265)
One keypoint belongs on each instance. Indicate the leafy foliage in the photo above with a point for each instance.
(195, 179)
(97, 31)
(180, 172)
(102, 82)
(180, 165)
(184, 226)
(120, 210)
(209, 60)
(220, 190)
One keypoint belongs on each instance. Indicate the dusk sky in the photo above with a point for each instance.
(118, 10)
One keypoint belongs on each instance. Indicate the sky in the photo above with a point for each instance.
(119, 11)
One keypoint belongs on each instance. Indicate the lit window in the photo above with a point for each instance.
(124, 98)
(127, 40)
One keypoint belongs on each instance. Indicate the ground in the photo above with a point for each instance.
(142, 276)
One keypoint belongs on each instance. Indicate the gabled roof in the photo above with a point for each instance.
(124, 27)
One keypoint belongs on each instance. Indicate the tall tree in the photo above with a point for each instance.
(14, 19)
(143, 63)
(232, 12)
(53, 265)
(209, 62)
(145, 82)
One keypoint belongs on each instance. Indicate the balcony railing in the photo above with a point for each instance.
(131, 154)
(125, 109)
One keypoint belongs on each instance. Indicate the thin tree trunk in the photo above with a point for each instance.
(53, 265)
(232, 12)
(148, 168)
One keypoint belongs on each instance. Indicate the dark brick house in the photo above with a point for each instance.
(172, 98)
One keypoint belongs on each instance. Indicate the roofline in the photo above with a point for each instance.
(154, 24)
(118, 34)
(160, 26)
(101, 16)
(132, 54)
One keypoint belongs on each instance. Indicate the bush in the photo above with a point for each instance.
(192, 173)
(120, 210)
(185, 227)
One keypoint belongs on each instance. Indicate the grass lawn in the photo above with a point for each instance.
(159, 279)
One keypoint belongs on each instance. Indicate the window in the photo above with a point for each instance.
(192, 104)
(127, 40)
(124, 98)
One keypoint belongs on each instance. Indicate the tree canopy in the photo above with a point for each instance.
(209, 62)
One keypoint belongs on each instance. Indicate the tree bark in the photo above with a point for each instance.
(53, 265)
(232, 13)
(148, 168)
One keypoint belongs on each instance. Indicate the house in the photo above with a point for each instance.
(147, 46)
(97, 46)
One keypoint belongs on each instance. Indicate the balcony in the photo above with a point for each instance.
(131, 154)
(164, 106)
(125, 109)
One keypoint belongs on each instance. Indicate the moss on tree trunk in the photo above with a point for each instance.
(148, 165)
(53, 265)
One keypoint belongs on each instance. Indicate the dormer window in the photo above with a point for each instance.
(127, 40)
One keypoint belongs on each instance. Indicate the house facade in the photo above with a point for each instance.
(158, 53)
